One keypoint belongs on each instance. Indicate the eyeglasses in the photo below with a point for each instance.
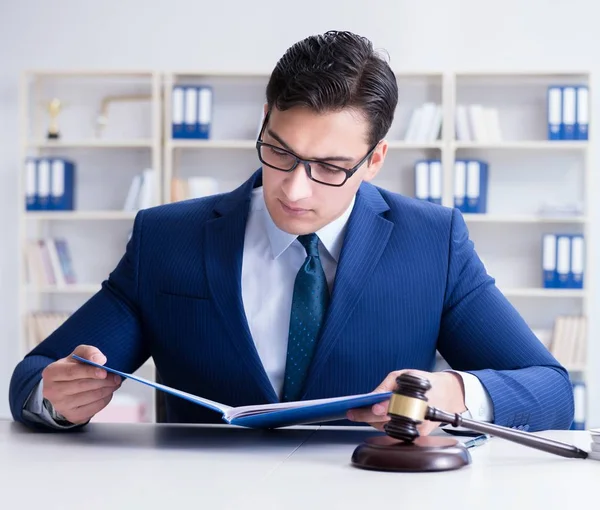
(318, 171)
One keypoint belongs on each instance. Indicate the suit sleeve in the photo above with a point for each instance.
(482, 333)
(109, 320)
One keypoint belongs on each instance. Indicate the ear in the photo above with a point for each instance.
(265, 109)
(376, 161)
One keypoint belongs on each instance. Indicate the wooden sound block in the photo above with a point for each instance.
(429, 453)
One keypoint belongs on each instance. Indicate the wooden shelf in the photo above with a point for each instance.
(90, 144)
(67, 289)
(212, 144)
(525, 145)
(500, 218)
(400, 144)
(544, 293)
(79, 215)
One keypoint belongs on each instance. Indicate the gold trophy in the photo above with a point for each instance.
(54, 107)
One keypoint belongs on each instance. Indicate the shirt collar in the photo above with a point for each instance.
(331, 235)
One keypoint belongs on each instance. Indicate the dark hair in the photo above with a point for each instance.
(333, 71)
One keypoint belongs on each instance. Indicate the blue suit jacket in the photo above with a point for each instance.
(408, 282)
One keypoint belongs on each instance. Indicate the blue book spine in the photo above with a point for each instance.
(43, 184)
(190, 112)
(477, 179)
(576, 273)
(582, 118)
(554, 112)
(205, 111)
(31, 186)
(460, 185)
(435, 181)
(549, 275)
(422, 180)
(483, 186)
(563, 260)
(569, 112)
(177, 109)
(62, 187)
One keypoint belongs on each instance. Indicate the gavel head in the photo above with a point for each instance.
(408, 407)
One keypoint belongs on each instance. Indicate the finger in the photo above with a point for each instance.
(66, 371)
(85, 413)
(379, 425)
(89, 352)
(365, 415)
(83, 399)
(67, 388)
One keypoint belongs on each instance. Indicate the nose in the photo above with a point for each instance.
(297, 185)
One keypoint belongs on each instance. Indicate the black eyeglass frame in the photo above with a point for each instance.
(349, 172)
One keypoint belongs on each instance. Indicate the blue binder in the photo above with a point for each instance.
(477, 186)
(563, 260)
(177, 109)
(205, 110)
(549, 256)
(582, 117)
(62, 185)
(577, 260)
(31, 186)
(270, 415)
(554, 112)
(569, 112)
(460, 185)
(435, 181)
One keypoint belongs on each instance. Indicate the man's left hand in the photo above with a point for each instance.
(447, 394)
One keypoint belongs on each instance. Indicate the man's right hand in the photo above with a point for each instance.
(76, 390)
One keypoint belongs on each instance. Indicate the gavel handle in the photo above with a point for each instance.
(517, 436)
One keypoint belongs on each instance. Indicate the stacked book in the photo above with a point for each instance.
(48, 262)
(476, 123)
(594, 452)
(40, 325)
(425, 124)
(568, 343)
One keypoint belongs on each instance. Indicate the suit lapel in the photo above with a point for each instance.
(223, 251)
(366, 238)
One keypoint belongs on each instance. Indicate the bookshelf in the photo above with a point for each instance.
(527, 172)
(110, 128)
(529, 175)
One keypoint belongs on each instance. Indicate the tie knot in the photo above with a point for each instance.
(311, 244)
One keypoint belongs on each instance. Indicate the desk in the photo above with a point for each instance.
(169, 467)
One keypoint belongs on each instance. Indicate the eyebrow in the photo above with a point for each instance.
(286, 146)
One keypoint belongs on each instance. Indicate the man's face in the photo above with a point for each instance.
(297, 204)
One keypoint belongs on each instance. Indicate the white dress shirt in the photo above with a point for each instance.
(271, 260)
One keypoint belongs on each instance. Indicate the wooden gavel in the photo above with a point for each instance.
(408, 407)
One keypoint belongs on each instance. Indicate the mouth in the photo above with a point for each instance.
(294, 211)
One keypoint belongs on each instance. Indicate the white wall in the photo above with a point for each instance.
(242, 35)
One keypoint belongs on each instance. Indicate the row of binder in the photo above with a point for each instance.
(470, 183)
(191, 114)
(477, 123)
(563, 261)
(49, 184)
(568, 112)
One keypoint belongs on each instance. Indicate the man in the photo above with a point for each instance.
(305, 282)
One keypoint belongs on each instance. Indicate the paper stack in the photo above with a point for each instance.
(594, 452)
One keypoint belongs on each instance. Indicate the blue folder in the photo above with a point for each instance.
(267, 416)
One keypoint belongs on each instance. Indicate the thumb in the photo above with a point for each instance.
(91, 353)
(389, 383)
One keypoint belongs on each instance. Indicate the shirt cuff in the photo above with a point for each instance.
(477, 400)
(35, 409)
